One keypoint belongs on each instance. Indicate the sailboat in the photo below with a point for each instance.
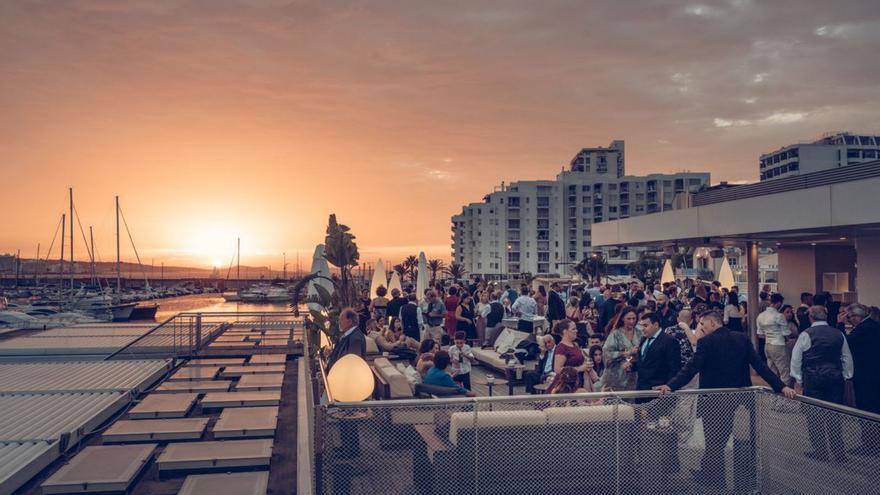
(138, 311)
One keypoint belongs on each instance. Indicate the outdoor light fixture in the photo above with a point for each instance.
(350, 379)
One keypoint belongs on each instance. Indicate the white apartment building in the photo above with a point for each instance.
(543, 227)
(832, 151)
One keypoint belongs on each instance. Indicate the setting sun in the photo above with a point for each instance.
(213, 244)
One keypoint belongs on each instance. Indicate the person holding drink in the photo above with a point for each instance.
(462, 357)
(621, 347)
(569, 354)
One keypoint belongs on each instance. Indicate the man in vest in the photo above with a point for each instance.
(493, 313)
(821, 361)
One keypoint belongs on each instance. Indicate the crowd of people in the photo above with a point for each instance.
(603, 331)
(644, 336)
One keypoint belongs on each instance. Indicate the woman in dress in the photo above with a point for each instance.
(464, 317)
(478, 311)
(568, 354)
(598, 360)
(620, 347)
(733, 318)
(451, 304)
(573, 310)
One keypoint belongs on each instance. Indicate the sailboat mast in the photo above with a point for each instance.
(37, 269)
(61, 258)
(285, 265)
(238, 263)
(118, 263)
(92, 254)
(72, 266)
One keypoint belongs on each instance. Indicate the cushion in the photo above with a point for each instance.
(372, 348)
(398, 385)
(488, 419)
(588, 414)
(382, 362)
(508, 339)
(489, 357)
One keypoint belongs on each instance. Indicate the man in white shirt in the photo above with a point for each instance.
(821, 361)
(525, 305)
(774, 326)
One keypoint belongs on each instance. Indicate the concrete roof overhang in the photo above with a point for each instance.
(828, 214)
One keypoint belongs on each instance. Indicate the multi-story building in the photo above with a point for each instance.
(832, 151)
(544, 226)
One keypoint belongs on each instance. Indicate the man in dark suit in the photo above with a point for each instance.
(864, 344)
(353, 340)
(658, 361)
(722, 359)
(555, 305)
(659, 358)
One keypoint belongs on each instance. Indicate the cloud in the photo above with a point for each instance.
(772, 119)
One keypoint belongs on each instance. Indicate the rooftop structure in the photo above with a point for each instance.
(543, 227)
(834, 150)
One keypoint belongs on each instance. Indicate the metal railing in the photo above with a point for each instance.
(846, 173)
(187, 334)
(745, 440)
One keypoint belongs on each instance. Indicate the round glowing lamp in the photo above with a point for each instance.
(350, 379)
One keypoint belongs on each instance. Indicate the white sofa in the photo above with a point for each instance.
(507, 340)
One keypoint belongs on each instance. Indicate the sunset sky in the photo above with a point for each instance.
(215, 119)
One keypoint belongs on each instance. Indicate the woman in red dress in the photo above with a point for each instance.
(451, 302)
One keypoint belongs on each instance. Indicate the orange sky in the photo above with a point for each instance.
(220, 119)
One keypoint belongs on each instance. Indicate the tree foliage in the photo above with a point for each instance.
(435, 266)
(411, 265)
(592, 267)
(648, 266)
(456, 271)
(341, 251)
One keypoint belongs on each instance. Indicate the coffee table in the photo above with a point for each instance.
(511, 373)
(497, 381)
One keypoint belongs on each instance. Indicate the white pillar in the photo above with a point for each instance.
(868, 269)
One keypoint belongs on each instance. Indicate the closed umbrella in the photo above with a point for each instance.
(378, 279)
(422, 278)
(668, 276)
(725, 275)
(319, 266)
(394, 283)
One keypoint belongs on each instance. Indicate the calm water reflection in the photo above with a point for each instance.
(209, 303)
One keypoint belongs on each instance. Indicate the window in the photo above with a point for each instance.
(585, 188)
(852, 153)
(869, 153)
(513, 224)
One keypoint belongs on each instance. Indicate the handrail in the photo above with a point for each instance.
(629, 394)
(327, 389)
(636, 394)
(160, 325)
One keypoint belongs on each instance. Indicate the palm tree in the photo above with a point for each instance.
(400, 269)
(411, 263)
(591, 267)
(435, 266)
(456, 271)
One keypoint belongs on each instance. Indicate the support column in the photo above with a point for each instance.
(752, 276)
(868, 270)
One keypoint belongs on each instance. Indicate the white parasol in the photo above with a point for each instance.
(422, 277)
(378, 279)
